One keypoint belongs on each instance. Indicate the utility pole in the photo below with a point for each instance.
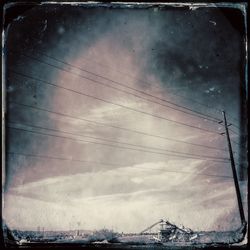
(236, 183)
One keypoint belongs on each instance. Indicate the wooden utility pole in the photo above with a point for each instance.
(236, 183)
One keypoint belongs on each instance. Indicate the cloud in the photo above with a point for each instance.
(135, 189)
(133, 192)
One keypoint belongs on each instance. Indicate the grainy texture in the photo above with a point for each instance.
(114, 118)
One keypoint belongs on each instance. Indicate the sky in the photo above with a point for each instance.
(100, 104)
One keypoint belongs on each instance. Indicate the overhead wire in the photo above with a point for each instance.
(147, 82)
(141, 97)
(208, 117)
(60, 158)
(108, 79)
(236, 133)
(129, 108)
(113, 126)
(140, 80)
(215, 119)
(114, 141)
(221, 160)
(237, 143)
(67, 159)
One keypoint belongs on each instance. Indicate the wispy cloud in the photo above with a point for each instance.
(134, 191)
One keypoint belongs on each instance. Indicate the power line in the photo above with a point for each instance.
(143, 81)
(231, 124)
(113, 126)
(67, 159)
(237, 127)
(63, 159)
(121, 84)
(124, 85)
(233, 118)
(132, 109)
(113, 141)
(138, 79)
(164, 105)
(214, 119)
(236, 133)
(239, 144)
(235, 142)
(120, 147)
